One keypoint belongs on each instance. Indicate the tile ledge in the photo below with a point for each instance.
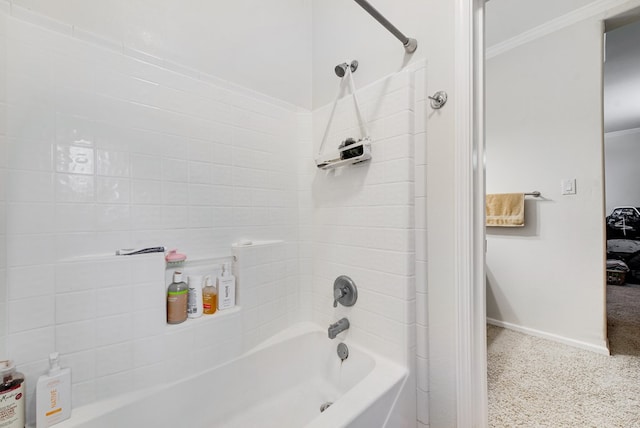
(192, 322)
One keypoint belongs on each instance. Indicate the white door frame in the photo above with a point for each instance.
(471, 350)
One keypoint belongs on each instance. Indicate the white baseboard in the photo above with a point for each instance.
(599, 349)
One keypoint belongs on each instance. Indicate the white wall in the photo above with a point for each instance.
(622, 175)
(260, 45)
(544, 124)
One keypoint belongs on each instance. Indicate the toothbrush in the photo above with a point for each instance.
(132, 251)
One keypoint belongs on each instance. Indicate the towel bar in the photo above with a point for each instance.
(535, 194)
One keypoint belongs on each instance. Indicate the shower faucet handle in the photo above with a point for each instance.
(338, 293)
(344, 291)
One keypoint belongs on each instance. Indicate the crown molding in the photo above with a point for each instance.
(593, 9)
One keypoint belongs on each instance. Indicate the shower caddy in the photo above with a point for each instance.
(351, 151)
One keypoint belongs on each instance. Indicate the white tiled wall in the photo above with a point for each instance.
(368, 221)
(420, 215)
(268, 289)
(106, 151)
(363, 219)
(100, 151)
(106, 310)
(306, 173)
(107, 319)
(3, 183)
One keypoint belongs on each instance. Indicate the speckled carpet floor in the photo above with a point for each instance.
(534, 382)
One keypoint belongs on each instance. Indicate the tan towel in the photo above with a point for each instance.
(505, 210)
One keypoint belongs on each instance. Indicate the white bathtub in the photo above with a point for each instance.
(280, 384)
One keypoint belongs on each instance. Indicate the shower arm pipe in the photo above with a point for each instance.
(410, 45)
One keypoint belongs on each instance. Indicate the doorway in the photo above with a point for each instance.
(547, 279)
(621, 153)
(544, 130)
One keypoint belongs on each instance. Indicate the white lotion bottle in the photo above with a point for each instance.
(226, 288)
(195, 304)
(53, 394)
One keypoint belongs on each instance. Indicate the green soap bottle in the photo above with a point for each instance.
(177, 297)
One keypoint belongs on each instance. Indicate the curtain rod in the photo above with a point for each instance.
(410, 45)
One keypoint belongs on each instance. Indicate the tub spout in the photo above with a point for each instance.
(337, 328)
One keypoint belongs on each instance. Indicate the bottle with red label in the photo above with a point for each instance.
(12, 399)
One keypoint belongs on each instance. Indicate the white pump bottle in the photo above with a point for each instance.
(226, 288)
(53, 394)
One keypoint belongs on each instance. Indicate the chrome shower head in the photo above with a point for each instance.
(341, 69)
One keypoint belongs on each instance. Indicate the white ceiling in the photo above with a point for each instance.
(622, 79)
(508, 18)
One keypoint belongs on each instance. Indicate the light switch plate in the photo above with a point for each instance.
(568, 187)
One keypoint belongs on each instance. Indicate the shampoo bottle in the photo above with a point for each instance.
(194, 308)
(209, 297)
(12, 398)
(226, 288)
(53, 394)
(177, 300)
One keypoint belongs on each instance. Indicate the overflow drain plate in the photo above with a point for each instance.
(343, 351)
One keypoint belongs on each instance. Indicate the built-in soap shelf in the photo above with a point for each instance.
(192, 322)
(203, 265)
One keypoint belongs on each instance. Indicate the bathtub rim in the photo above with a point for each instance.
(384, 376)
